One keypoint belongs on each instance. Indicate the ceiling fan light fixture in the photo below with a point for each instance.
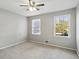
(32, 9)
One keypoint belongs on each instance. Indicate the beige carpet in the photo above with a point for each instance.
(36, 51)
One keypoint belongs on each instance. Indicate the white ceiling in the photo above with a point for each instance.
(50, 6)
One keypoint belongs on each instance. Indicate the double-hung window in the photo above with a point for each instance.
(36, 27)
(62, 25)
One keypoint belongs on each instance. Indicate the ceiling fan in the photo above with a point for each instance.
(32, 5)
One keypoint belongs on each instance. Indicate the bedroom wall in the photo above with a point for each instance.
(13, 28)
(47, 29)
(77, 28)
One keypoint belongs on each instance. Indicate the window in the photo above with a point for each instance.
(36, 27)
(62, 25)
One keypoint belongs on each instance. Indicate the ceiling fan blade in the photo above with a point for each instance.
(40, 5)
(24, 5)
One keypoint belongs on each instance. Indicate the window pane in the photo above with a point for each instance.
(62, 24)
(36, 26)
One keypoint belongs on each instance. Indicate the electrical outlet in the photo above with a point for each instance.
(46, 41)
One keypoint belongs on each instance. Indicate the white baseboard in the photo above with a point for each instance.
(53, 45)
(77, 53)
(12, 45)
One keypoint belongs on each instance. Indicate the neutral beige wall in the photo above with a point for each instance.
(13, 28)
(47, 29)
